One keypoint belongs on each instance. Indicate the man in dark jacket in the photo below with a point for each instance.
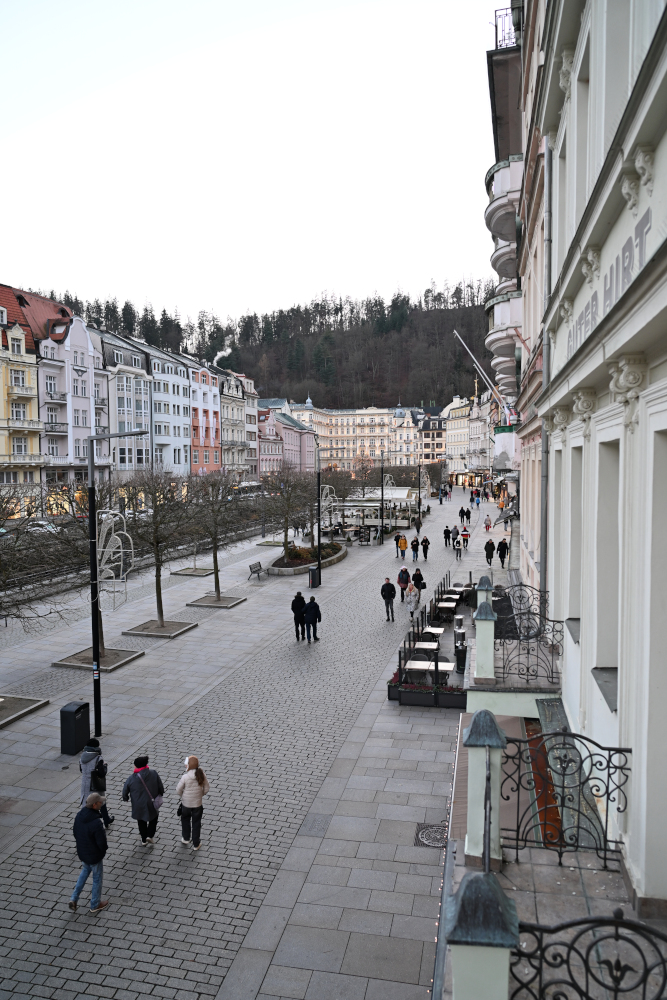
(447, 534)
(489, 548)
(388, 591)
(502, 551)
(91, 846)
(143, 786)
(462, 515)
(312, 615)
(397, 538)
(298, 604)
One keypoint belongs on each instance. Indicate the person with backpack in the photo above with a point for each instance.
(489, 548)
(403, 579)
(414, 545)
(447, 535)
(502, 550)
(397, 538)
(313, 615)
(94, 778)
(425, 546)
(191, 789)
(144, 787)
(388, 593)
(298, 604)
(457, 547)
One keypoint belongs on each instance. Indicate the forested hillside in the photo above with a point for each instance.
(342, 352)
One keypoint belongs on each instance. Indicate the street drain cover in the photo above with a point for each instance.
(428, 835)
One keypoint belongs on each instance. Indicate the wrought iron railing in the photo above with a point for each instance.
(599, 958)
(564, 787)
(505, 37)
(530, 650)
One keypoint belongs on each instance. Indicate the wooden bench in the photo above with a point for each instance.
(257, 568)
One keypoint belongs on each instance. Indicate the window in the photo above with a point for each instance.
(17, 377)
(76, 417)
(19, 446)
(3, 320)
(9, 477)
(52, 444)
(28, 477)
(140, 456)
(50, 383)
(206, 457)
(177, 456)
(175, 389)
(181, 372)
(84, 387)
(76, 357)
(77, 448)
(118, 357)
(84, 418)
(16, 345)
(75, 387)
(216, 457)
(136, 361)
(98, 362)
(52, 414)
(157, 406)
(158, 456)
(156, 366)
(204, 379)
(195, 456)
(18, 411)
(169, 369)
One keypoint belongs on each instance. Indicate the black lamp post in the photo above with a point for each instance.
(319, 517)
(94, 591)
(382, 497)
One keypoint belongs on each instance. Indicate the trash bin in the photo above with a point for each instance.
(460, 652)
(313, 577)
(74, 727)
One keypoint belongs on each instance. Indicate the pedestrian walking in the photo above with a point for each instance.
(412, 599)
(425, 547)
(489, 548)
(298, 604)
(388, 592)
(468, 515)
(397, 538)
(487, 522)
(313, 615)
(403, 579)
(94, 777)
(418, 581)
(414, 545)
(447, 535)
(418, 526)
(455, 533)
(91, 846)
(440, 497)
(403, 546)
(457, 547)
(191, 789)
(502, 550)
(477, 502)
(462, 515)
(144, 787)
(465, 536)
(501, 505)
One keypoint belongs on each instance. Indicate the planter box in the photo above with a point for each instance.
(452, 699)
(392, 692)
(423, 699)
(298, 570)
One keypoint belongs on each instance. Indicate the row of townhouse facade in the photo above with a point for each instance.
(578, 213)
(64, 380)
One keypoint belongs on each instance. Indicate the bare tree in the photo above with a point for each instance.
(217, 513)
(366, 475)
(158, 512)
(292, 494)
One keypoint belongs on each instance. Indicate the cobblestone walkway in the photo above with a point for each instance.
(270, 721)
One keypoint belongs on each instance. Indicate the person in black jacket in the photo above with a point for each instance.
(143, 786)
(489, 548)
(447, 534)
(502, 550)
(397, 538)
(425, 545)
(462, 515)
(298, 604)
(91, 846)
(388, 591)
(313, 615)
(418, 581)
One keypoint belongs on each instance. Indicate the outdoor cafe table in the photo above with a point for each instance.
(427, 645)
(435, 629)
(447, 604)
(428, 665)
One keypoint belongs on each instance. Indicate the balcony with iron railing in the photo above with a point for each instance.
(505, 33)
(55, 396)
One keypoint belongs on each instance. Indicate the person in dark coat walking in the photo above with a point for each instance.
(397, 538)
(414, 545)
(489, 548)
(455, 533)
(298, 604)
(462, 515)
(418, 526)
(388, 592)
(91, 846)
(503, 549)
(403, 580)
(143, 787)
(93, 769)
(313, 615)
(447, 535)
(425, 545)
(468, 514)
(418, 581)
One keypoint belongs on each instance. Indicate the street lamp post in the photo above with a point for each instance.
(94, 591)
(319, 517)
(382, 498)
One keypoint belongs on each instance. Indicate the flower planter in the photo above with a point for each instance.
(423, 699)
(392, 692)
(453, 699)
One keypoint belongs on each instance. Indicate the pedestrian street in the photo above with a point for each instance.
(308, 883)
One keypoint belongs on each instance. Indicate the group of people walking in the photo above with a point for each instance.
(145, 791)
(401, 543)
(306, 616)
(410, 587)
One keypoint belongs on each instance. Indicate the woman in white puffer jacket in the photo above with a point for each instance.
(191, 788)
(412, 599)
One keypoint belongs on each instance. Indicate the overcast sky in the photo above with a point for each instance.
(238, 155)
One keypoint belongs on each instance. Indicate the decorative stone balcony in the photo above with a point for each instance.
(16, 391)
(503, 185)
(15, 423)
(503, 259)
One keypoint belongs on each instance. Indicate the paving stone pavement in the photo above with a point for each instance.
(307, 884)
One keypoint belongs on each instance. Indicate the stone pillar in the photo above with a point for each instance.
(484, 619)
(481, 927)
(483, 732)
(484, 590)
